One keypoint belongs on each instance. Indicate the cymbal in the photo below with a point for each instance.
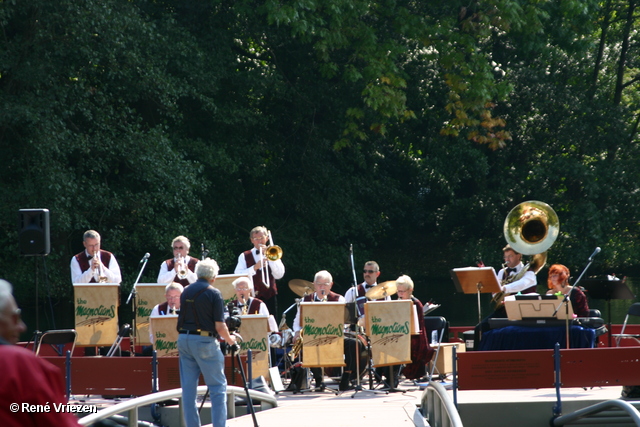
(382, 290)
(301, 287)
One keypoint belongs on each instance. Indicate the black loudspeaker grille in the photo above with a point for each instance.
(33, 232)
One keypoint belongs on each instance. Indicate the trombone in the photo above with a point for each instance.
(270, 253)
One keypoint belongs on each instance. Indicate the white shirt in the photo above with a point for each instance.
(276, 267)
(525, 282)
(167, 276)
(296, 321)
(111, 271)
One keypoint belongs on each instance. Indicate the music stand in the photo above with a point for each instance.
(607, 290)
(476, 280)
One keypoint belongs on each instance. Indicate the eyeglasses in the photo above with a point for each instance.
(178, 248)
(242, 289)
(323, 284)
(369, 271)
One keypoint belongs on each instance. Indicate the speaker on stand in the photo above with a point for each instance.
(34, 240)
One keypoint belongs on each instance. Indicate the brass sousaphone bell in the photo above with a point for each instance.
(531, 228)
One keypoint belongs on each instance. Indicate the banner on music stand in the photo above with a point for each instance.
(388, 325)
(224, 284)
(323, 334)
(96, 313)
(165, 334)
(254, 330)
(148, 295)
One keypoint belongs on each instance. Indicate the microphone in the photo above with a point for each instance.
(596, 252)
(145, 257)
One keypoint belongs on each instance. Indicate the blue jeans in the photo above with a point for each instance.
(202, 354)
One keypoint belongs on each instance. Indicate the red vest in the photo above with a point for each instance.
(262, 291)
(254, 305)
(83, 261)
(332, 297)
(191, 265)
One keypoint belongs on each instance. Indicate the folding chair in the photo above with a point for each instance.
(634, 310)
(58, 339)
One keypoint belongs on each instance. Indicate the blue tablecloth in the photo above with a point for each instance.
(533, 338)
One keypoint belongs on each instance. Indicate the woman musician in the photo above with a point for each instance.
(421, 351)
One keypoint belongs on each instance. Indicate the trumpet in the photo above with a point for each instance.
(98, 272)
(183, 269)
(270, 253)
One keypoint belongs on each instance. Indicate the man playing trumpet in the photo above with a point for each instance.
(94, 265)
(181, 268)
(252, 263)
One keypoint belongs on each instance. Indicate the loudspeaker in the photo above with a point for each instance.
(33, 232)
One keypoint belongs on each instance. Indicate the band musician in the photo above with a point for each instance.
(253, 261)
(322, 283)
(94, 265)
(245, 302)
(172, 294)
(182, 267)
(370, 273)
(421, 351)
(513, 278)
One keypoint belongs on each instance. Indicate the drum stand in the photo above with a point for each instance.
(370, 371)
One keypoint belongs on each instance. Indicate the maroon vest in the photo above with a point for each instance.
(163, 309)
(262, 291)
(254, 305)
(332, 297)
(191, 265)
(83, 261)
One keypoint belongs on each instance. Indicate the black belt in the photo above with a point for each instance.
(201, 333)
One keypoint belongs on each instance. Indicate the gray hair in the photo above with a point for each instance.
(91, 234)
(173, 285)
(242, 279)
(6, 293)
(259, 229)
(323, 274)
(182, 239)
(406, 281)
(207, 269)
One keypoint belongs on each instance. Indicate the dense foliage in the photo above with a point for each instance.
(408, 129)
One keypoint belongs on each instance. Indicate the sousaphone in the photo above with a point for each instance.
(531, 228)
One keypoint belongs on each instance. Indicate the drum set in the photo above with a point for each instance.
(357, 345)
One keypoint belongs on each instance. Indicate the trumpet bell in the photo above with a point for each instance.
(531, 227)
(273, 253)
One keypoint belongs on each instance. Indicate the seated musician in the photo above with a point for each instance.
(421, 351)
(513, 278)
(247, 303)
(322, 283)
(558, 282)
(172, 294)
(370, 274)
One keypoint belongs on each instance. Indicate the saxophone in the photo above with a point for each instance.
(297, 347)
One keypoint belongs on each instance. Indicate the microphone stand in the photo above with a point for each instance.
(566, 300)
(134, 307)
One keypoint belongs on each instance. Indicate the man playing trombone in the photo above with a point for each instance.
(263, 271)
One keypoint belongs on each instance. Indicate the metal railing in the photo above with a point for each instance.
(130, 407)
(438, 407)
(603, 413)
